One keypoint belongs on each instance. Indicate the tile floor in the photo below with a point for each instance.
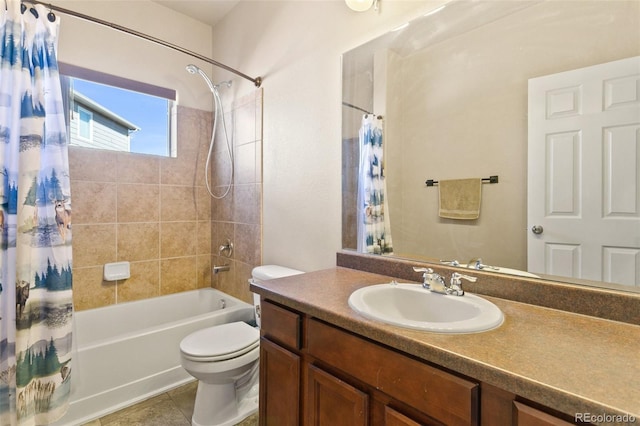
(172, 408)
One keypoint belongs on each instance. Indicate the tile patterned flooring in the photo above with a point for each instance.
(172, 408)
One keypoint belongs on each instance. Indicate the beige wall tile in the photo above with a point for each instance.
(222, 209)
(89, 291)
(259, 161)
(223, 231)
(177, 274)
(138, 203)
(179, 170)
(224, 280)
(241, 283)
(143, 284)
(246, 204)
(178, 239)
(92, 164)
(220, 167)
(93, 245)
(138, 241)
(93, 202)
(245, 164)
(192, 125)
(203, 266)
(203, 237)
(247, 243)
(203, 203)
(178, 203)
(138, 168)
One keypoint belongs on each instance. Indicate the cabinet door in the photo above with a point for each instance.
(528, 416)
(332, 402)
(394, 418)
(279, 385)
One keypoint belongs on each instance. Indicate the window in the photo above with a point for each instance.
(84, 127)
(108, 112)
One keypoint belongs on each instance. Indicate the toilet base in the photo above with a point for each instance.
(216, 405)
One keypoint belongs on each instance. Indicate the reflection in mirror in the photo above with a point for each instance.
(108, 112)
(453, 90)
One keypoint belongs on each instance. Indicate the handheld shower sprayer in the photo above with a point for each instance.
(218, 112)
(192, 69)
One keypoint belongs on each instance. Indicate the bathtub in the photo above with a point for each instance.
(129, 352)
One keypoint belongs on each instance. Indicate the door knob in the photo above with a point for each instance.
(537, 229)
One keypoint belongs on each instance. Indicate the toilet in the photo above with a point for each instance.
(225, 360)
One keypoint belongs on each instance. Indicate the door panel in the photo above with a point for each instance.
(584, 173)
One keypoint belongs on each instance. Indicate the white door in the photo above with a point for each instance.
(583, 172)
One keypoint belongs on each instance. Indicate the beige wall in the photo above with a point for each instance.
(296, 47)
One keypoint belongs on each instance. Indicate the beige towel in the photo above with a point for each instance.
(460, 198)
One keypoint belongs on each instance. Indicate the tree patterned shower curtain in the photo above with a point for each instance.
(374, 229)
(35, 222)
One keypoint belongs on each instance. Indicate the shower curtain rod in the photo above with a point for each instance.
(257, 81)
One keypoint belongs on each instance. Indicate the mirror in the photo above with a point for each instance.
(452, 88)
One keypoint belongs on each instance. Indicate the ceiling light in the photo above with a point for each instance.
(361, 5)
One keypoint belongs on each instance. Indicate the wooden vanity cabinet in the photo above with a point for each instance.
(280, 366)
(313, 373)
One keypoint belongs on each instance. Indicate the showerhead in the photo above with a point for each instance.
(192, 69)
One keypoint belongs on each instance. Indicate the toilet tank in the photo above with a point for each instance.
(268, 272)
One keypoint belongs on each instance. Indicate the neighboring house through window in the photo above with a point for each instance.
(93, 125)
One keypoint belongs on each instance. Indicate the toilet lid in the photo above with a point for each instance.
(224, 339)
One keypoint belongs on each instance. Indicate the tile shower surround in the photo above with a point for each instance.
(156, 213)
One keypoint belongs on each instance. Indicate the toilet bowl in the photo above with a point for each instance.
(225, 360)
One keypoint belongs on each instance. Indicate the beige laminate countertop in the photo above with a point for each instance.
(569, 362)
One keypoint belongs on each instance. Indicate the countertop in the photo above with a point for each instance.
(569, 362)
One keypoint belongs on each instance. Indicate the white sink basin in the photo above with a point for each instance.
(411, 306)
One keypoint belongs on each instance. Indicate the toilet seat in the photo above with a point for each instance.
(220, 343)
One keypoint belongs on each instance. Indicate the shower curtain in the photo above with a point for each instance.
(35, 222)
(374, 230)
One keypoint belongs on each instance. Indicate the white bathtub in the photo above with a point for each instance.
(130, 351)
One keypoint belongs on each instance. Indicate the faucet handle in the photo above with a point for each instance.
(425, 270)
(456, 277)
(450, 262)
(476, 263)
(456, 283)
(428, 276)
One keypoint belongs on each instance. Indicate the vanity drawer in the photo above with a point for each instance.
(441, 395)
(281, 325)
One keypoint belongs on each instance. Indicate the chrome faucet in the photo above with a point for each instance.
(435, 282)
(455, 285)
(226, 249)
(476, 263)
